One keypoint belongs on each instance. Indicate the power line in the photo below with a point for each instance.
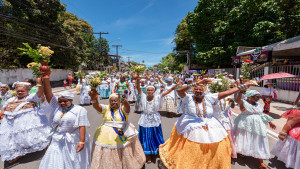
(156, 53)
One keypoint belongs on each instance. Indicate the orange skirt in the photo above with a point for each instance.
(179, 152)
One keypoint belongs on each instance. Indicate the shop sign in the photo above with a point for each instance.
(257, 56)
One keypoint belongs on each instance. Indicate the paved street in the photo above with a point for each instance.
(32, 161)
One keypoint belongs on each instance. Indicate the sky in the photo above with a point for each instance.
(145, 28)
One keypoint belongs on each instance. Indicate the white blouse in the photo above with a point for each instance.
(69, 123)
(192, 127)
(150, 116)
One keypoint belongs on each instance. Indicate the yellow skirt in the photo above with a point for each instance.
(179, 152)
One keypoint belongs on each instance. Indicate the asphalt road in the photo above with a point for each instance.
(31, 161)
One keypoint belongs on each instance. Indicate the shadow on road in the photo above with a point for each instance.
(282, 108)
(27, 158)
(252, 163)
(275, 163)
(274, 116)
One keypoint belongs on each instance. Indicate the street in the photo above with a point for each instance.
(31, 161)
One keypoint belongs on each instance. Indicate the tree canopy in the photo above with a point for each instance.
(215, 28)
(49, 24)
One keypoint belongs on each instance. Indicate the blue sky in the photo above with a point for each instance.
(145, 27)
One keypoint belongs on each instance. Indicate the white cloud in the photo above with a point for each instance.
(151, 3)
(162, 41)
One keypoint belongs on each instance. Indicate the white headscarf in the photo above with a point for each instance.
(67, 95)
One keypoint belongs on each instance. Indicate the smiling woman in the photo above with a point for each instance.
(116, 144)
(23, 129)
(70, 146)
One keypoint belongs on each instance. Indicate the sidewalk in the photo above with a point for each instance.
(276, 110)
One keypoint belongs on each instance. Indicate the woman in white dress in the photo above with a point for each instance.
(287, 148)
(169, 104)
(132, 96)
(198, 139)
(23, 129)
(250, 132)
(150, 131)
(5, 94)
(70, 146)
(84, 97)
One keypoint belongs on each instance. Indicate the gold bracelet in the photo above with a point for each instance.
(81, 142)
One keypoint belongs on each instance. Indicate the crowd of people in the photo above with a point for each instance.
(204, 136)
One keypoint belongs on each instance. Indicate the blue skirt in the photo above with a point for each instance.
(151, 138)
(104, 93)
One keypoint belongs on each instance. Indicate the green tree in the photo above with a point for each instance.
(218, 27)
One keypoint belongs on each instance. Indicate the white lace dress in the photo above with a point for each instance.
(250, 132)
(191, 126)
(84, 97)
(222, 113)
(61, 154)
(23, 130)
(150, 116)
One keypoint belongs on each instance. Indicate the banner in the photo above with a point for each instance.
(257, 56)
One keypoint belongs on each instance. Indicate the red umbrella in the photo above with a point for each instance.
(276, 76)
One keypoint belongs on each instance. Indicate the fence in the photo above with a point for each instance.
(291, 84)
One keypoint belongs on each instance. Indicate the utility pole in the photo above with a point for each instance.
(117, 47)
(100, 44)
(188, 58)
(128, 57)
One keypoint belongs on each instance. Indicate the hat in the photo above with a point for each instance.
(251, 93)
(268, 83)
(67, 95)
(241, 76)
(230, 75)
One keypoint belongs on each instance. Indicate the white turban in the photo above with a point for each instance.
(150, 87)
(170, 79)
(3, 85)
(67, 95)
(251, 93)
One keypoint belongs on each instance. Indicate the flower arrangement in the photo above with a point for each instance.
(139, 68)
(39, 55)
(35, 67)
(80, 74)
(94, 80)
(102, 75)
(246, 68)
(220, 85)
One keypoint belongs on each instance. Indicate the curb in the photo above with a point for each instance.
(270, 133)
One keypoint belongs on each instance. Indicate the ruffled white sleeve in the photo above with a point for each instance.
(81, 117)
(212, 98)
(34, 98)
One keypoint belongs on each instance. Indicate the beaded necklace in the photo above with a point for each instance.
(150, 116)
(222, 109)
(11, 119)
(118, 131)
(198, 112)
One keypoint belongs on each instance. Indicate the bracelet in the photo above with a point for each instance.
(94, 101)
(81, 142)
(282, 133)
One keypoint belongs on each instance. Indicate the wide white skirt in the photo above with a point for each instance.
(288, 151)
(61, 154)
(27, 133)
(251, 144)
